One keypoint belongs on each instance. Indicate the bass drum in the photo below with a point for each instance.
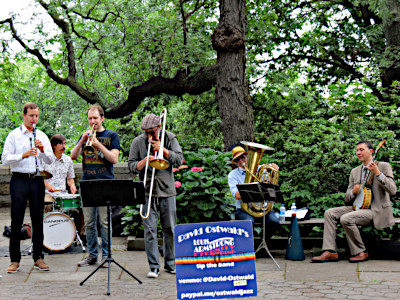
(59, 231)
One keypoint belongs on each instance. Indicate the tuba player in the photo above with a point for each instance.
(237, 176)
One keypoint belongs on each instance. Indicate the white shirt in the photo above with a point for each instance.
(21, 140)
(61, 169)
(236, 176)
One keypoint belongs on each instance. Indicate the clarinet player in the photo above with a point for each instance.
(22, 149)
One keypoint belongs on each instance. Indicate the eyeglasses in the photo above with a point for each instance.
(151, 131)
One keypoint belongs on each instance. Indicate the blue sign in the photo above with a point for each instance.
(215, 260)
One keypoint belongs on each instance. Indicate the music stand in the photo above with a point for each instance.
(107, 192)
(261, 192)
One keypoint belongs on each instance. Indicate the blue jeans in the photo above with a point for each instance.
(90, 216)
(271, 221)
(269, 218)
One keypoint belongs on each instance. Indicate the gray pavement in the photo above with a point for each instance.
(375, 279)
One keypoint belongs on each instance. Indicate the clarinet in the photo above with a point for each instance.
(36, 160)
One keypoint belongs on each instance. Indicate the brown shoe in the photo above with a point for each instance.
(327, 256)
(41, 265)
(13, 267)
(363, 256)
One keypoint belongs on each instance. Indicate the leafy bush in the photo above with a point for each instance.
(204, 194)
(202, 191)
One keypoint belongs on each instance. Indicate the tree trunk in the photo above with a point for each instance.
(232, 90)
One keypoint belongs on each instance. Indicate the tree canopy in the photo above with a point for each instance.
(320, 75)
(330, 42)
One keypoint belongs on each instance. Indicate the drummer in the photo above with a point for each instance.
(62, 170)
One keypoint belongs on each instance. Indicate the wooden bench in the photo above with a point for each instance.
(320, 221)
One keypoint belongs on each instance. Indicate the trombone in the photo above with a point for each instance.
(158, 162)
(88, 148)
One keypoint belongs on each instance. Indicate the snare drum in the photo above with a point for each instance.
(68, 201)
(59, 231)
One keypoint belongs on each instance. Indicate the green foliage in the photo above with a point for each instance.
(120, 44)
(202, 191)
(204, 195)
(313, 123)
(132, 221)
(315, 140)
(326, 41)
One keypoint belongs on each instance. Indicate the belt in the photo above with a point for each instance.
(25, 175)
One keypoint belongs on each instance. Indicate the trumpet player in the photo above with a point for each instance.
(164, 192)
(22, 148)
(97, 164)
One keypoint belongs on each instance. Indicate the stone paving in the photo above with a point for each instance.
(374, 279)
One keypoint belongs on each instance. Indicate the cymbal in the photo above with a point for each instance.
(46, 175)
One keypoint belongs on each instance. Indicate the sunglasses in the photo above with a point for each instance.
(243, 156)
(150, 131)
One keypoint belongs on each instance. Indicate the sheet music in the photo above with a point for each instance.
(260, 192)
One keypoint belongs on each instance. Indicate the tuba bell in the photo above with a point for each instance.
(266, 173)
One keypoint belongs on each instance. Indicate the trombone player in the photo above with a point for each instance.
(100, 150)
(163, 192)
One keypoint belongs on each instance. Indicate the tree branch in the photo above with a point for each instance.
(182, 83)
(34, 52)
(344, 66)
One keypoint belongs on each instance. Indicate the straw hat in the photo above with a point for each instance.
(236, 152)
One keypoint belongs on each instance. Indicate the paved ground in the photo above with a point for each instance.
(375, 279)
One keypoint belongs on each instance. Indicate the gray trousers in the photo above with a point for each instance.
(166, 207)
(350, 220)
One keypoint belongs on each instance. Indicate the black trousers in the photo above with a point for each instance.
(22, 190)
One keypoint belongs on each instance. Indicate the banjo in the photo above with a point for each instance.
(364, 196)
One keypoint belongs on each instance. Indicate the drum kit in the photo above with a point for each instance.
(59, 228)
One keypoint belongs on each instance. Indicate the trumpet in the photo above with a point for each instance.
(88, 148)
(157, 163)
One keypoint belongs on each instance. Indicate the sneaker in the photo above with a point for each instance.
(105, 264)
(41, 265)
(170, 270)
(87, 261)
(153, 273)
(13, 267)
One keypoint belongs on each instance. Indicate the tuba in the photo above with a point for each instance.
(266, 173)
